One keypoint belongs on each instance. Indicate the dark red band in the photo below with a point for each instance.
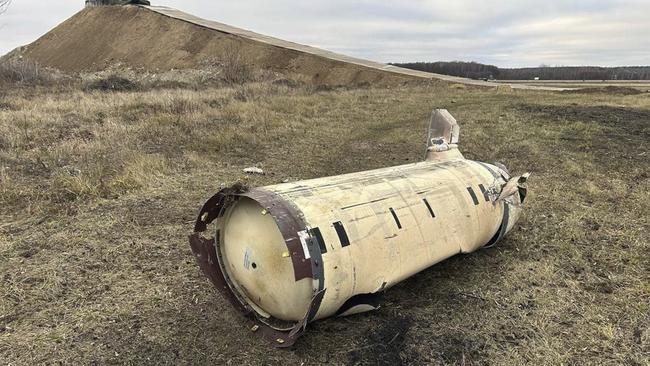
(290, 222)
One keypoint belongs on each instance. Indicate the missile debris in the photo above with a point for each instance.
(289, 254)
(254, 170)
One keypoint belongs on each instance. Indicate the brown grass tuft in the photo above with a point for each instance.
(23, 72)
(112, 83)
(235, 69)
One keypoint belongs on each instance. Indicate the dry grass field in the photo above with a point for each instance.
(99, 190)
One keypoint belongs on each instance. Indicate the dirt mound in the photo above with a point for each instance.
(616, 90)
(98, 37)
(158, 38)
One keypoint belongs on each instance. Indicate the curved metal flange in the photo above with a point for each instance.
(305, 263)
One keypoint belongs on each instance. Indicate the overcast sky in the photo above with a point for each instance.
(501, 32)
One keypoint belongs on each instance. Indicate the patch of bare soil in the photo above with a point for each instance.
(96, 38)
(612, 138)
(611, 89)
(386, 344)
(625, 122)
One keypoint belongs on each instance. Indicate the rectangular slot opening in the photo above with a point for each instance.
(485, 192)
(399, 225)
(471, 193)
(316, 234)
(426, 203)
(343, 236)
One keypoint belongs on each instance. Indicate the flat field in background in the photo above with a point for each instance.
(643, 85)
(99, 191)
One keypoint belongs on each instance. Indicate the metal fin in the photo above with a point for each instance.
(444, 136)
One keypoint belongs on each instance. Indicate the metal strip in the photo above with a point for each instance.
(318, 236)
(426, 203)
(474, 197)
(399, 224)
(487, 167)
(502, 229)
(343, 236)
(485, 193)
(366, 203)
(372, 300)
(505, 222)
(206, 256)
(317, 262)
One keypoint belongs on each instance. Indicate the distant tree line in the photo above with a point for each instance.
(472, 70)
(475, 70)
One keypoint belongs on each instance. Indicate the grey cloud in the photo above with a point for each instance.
(506, 33)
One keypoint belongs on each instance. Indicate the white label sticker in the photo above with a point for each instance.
(304, 236)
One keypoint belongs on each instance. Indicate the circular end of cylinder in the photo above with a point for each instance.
(254, 255)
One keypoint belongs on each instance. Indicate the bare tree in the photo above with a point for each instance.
(3, 5)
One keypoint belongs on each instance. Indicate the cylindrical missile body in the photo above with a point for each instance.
(350, 237)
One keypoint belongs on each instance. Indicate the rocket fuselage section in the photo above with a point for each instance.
(372, 230)
(293, 253)
(383, 226)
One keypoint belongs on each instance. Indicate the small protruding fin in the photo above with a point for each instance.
(444, 136)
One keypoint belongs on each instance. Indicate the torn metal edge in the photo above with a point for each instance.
(290, 223)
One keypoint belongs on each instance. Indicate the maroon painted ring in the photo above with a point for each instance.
(289, 222)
